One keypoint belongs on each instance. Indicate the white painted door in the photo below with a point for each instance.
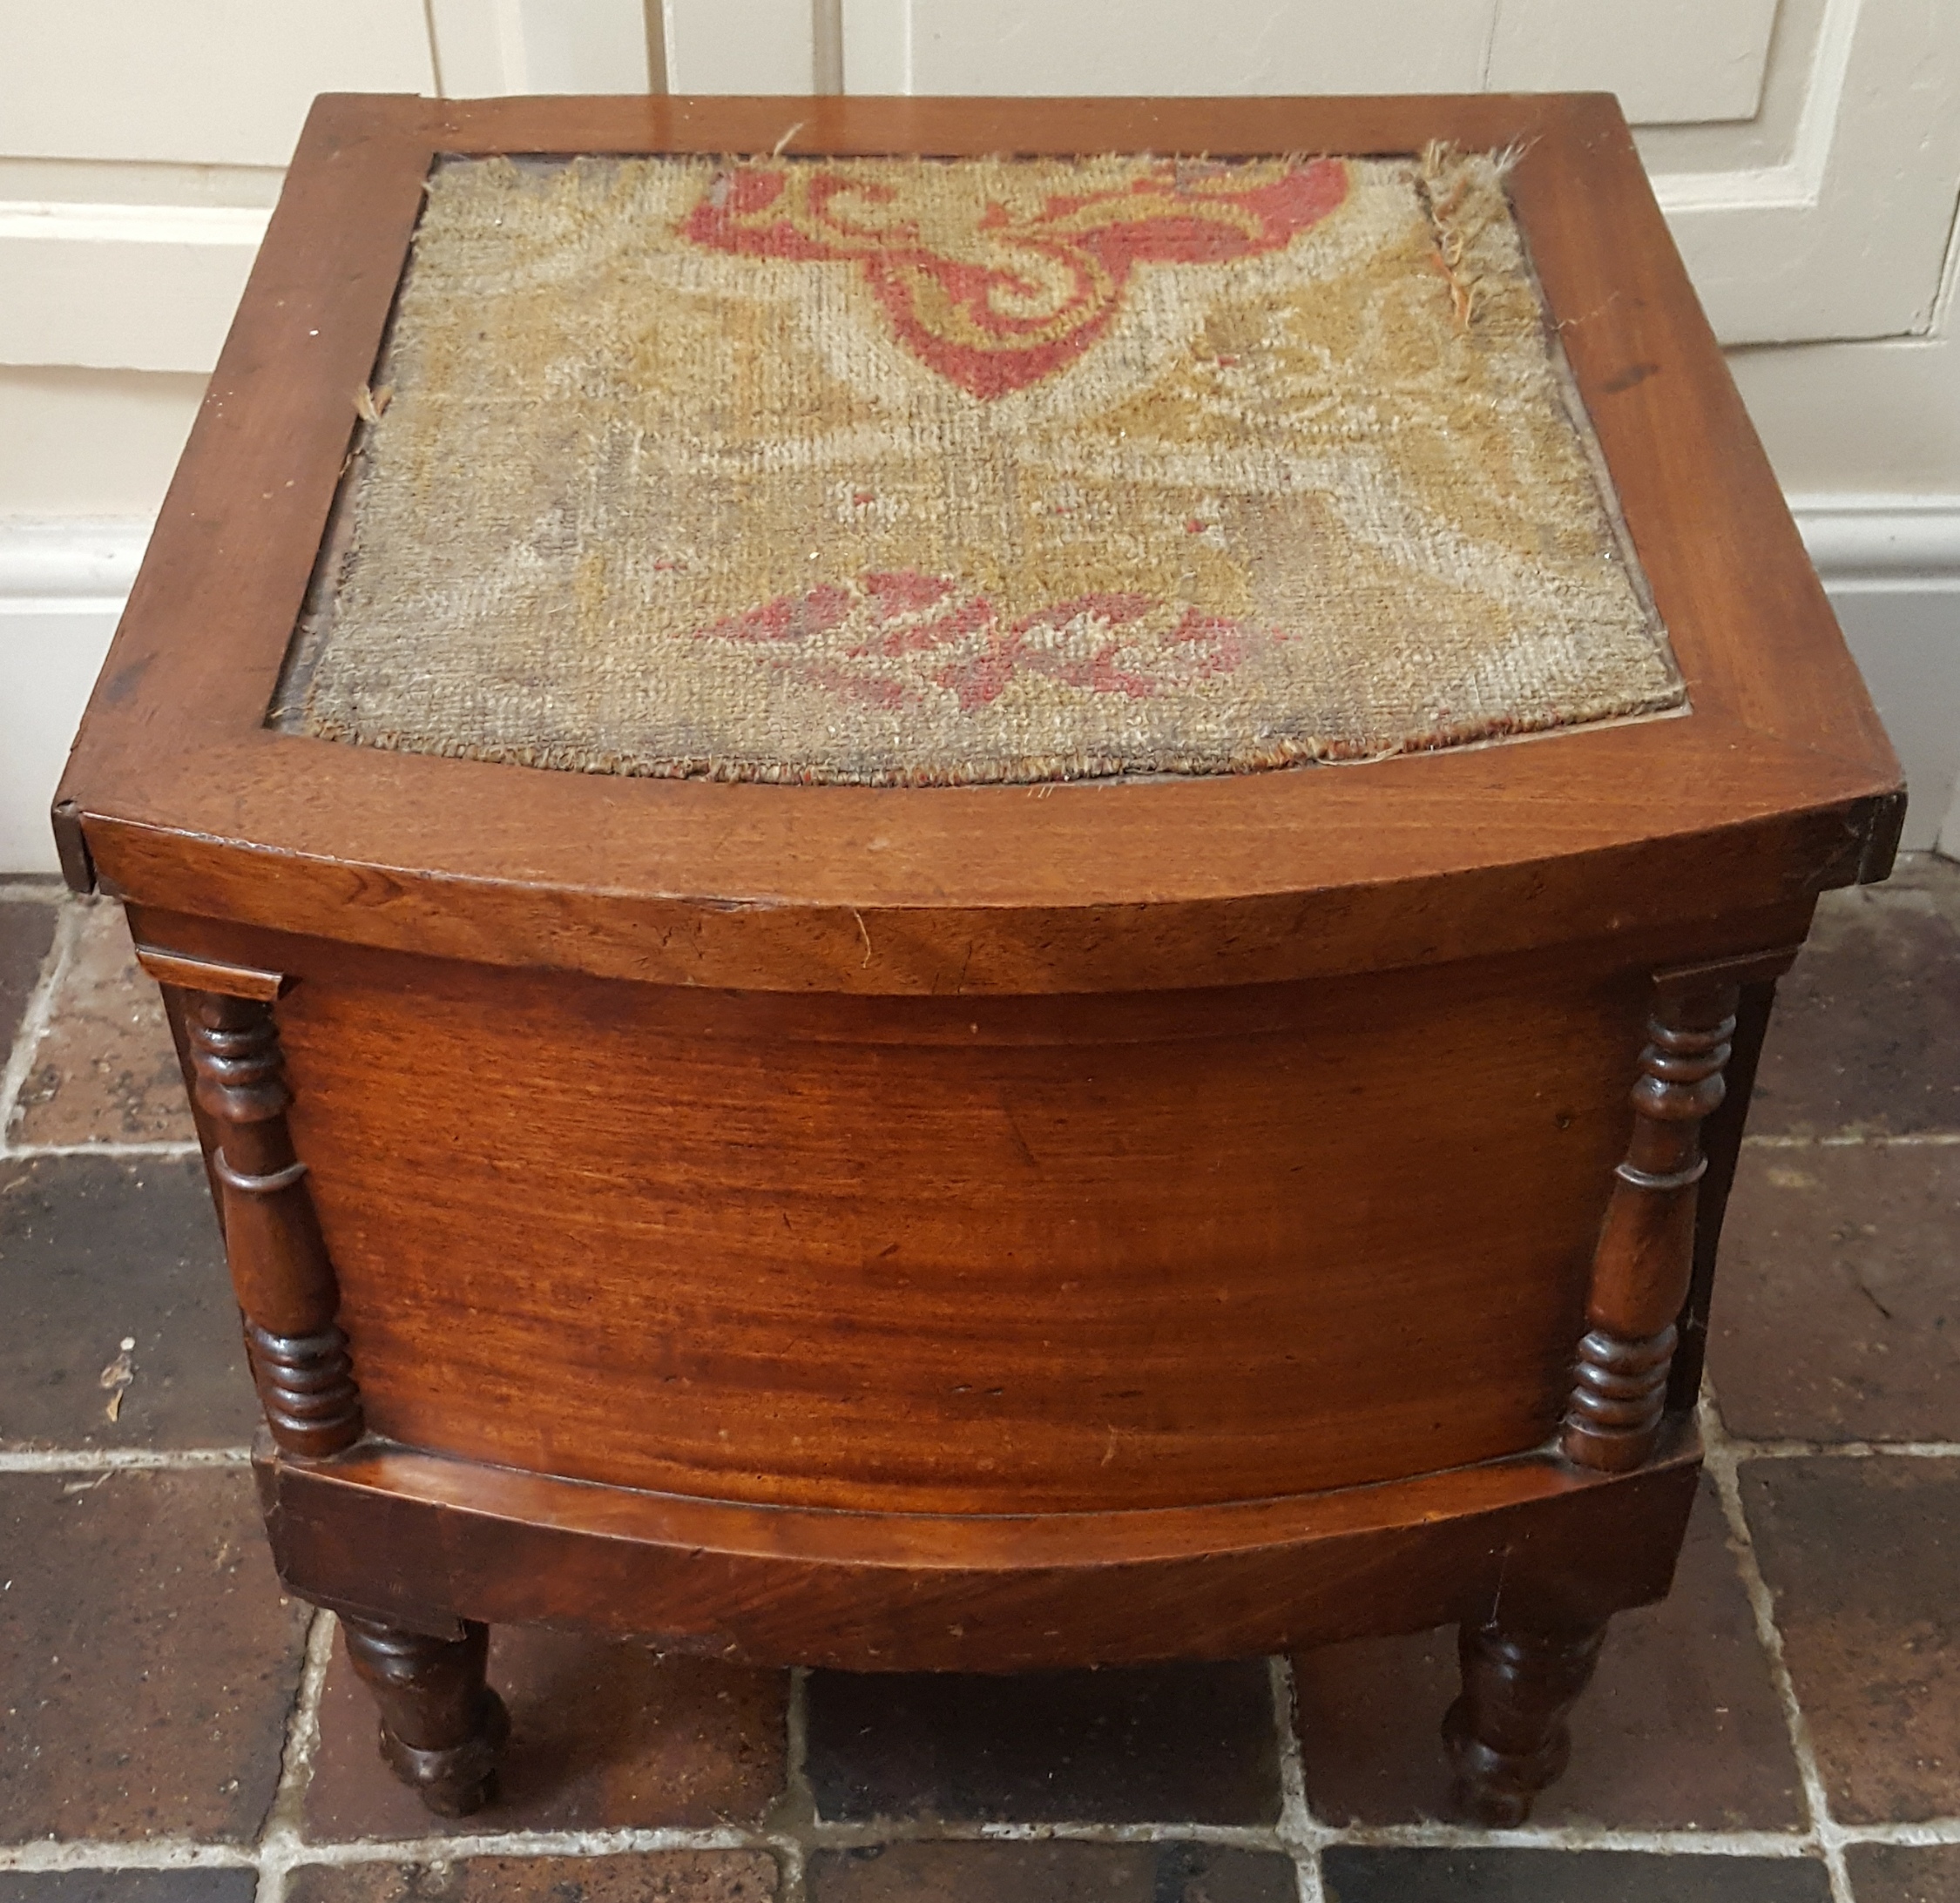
(1807, 150)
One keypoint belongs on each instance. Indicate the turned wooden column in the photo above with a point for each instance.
(1656, 1248)
(280, 1271)
(1722, 1143)
(443, 1728)
(1644, 1259)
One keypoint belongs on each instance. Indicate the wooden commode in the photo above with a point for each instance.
(969, 885)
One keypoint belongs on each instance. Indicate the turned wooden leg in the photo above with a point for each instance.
(1506, 1734)
(442, 1729)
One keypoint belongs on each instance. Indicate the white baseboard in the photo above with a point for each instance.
(1902, 542)
(62, 582)
(58, 564)
(1891, 563)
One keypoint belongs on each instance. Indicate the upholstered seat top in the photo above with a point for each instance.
(925, 471)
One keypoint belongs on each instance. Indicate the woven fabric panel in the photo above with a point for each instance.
(917, 471)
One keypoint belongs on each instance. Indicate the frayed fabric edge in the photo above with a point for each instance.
(1313, 750)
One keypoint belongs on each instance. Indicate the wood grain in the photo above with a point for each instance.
(280, 1271)
(1644, 1265)
(443, 1728)
(421, 1541)
(977, 1228)
(1507, 1734)
(1777, 784)
(1033, 1254)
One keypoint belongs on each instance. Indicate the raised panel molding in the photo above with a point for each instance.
(69, 564)
(62, 585)
(1672, 62)
(876, 50)
(1843, 236)
(123, 286)
(1848, 237)
(195, 81)
(1883, 542)
(741, 46)
(1168, 46)
(486, 49)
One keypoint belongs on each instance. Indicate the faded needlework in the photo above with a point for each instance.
(917, 471)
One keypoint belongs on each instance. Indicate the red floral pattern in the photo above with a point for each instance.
(1015, 299)
(885, 640)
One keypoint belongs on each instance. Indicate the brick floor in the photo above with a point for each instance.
(1681, 1728)
(1839, 1314)
(1194, 1742)
(233, 1885)
(603, 1737)
(98, 1251)
(1785, 1729)
(104, 1070)
(150, 1660)
(1051, 1872)
(684, 1876)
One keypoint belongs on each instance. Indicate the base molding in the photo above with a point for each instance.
(62, 582)
(1864, 540)
(423, 1541)
(1891, 565)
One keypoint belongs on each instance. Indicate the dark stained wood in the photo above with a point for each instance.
(418, 1540)
(1506, 1734)
(71, 848)
(981, 1228)
(179, 1024)
(442, 1729)
(173, 971)
(1721, 1143)
(1015, 1241)
(1013, 1255)
(1645, 1261)
(280, 1271)
(758, 943)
